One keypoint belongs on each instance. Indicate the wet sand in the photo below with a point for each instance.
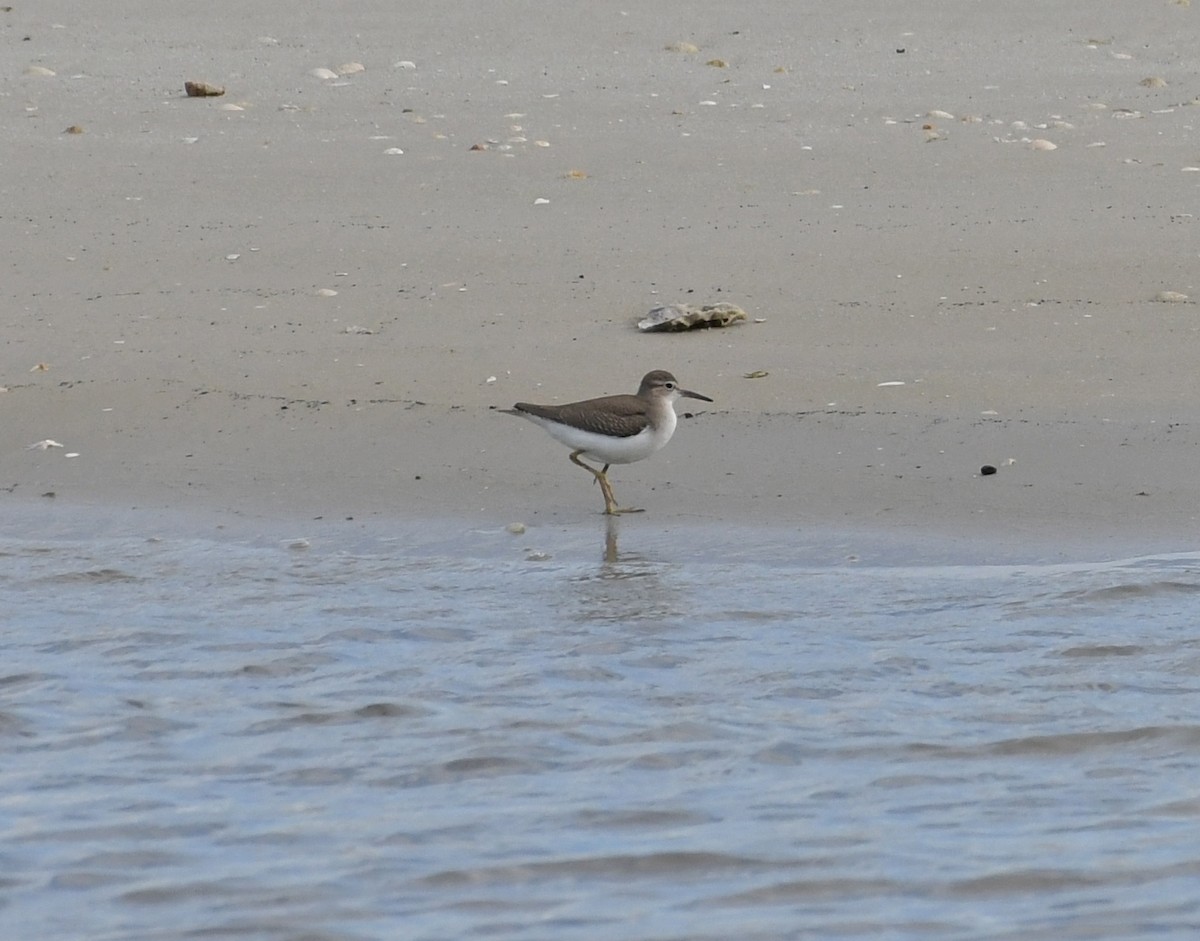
(928, 291)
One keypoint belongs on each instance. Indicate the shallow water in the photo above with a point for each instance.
(445, 734)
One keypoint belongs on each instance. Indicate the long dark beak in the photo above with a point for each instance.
(688, 394)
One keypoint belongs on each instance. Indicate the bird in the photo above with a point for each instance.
(613, 429)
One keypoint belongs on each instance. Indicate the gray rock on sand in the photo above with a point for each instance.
(687, 317)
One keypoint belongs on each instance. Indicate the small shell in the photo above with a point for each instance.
(1042, 144)
(40, 70)
(202, 90)
(687, 317)
(681, 46)
(351, 68)
(1170, 297)
(1154, 81)
(323, 74)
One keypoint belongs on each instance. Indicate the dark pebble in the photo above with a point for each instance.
(987, 470)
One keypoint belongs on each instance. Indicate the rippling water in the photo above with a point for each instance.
(441, 736)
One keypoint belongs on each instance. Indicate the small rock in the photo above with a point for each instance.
(987, 470)
(202, 90)
(688, 317)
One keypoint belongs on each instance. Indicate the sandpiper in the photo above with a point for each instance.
(614, 429)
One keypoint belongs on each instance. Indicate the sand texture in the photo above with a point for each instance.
(310, 295)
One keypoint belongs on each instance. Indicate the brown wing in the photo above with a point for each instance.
(621, 416)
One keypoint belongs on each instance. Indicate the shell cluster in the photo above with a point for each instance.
(689, 317)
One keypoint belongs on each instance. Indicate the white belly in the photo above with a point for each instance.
(610, 450)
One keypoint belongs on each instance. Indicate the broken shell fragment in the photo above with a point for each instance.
(672, 317)
(202, 90)
(1170, 297)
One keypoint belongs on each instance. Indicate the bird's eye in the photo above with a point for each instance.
(669, 385)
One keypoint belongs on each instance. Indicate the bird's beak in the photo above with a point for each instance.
(688, 394)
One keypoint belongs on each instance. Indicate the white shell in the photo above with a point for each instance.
(671, 317)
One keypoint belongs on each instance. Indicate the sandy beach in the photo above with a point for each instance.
(310, 296)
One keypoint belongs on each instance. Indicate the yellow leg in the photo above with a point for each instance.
(610, 501)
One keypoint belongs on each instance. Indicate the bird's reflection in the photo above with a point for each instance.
(626, 586)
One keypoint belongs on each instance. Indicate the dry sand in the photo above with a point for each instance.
(935, 293)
